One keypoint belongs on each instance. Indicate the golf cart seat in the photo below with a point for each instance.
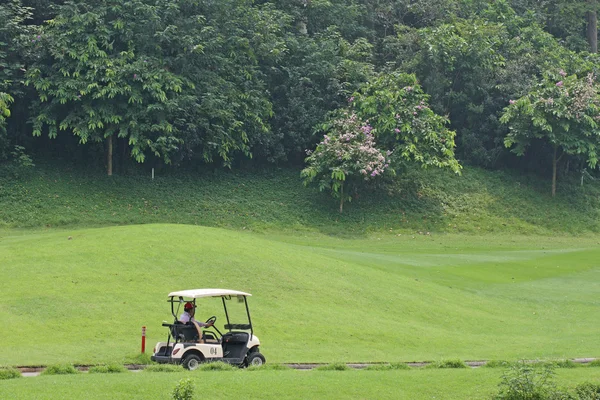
(188, 333)
(183, 332)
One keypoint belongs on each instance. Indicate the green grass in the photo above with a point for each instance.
(60, 369)
(447, 364)
(486, 266)
(477, 202)
(163, 368)
(315, 299)
(107, 369)
(9, 373)
(387, 367)
(334, 367)
(414, 384)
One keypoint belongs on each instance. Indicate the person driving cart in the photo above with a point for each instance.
(189, 310)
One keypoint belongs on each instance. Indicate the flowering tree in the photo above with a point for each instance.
(346, 156)
(398, 109)
(564, 111)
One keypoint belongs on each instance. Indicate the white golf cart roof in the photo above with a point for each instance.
(197, 293)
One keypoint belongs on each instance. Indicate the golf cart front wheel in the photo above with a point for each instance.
(191, 362)
(255, 359)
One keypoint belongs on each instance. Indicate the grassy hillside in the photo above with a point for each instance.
(316, 299)
(479, 201)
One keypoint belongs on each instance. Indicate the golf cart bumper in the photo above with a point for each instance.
(166, 360)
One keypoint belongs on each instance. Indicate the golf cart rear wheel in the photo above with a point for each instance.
(191, 362)
(255, 359)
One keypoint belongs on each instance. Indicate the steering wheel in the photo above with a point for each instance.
(213, 319)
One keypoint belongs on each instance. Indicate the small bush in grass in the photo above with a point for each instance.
(107, 369)
(184, 390)
(528, 382)
(268, 367)
(334, 367)
(588, 391)
(447, 364)
(9, 373)
(163, 368)
(595, 363)
(60, 369)
(217, 366)
(566, 364)
(555, 364)
(387, 367)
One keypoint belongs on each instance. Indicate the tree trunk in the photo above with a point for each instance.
(592, 26)
(109, 157)
(342, 198)
(554, 162)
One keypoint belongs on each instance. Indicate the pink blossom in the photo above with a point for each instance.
(559, 84)
(351, 99)
(511, 102)
(367, 129)
(397, 130)
(562, 73)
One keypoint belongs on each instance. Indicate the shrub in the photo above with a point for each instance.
(555, 364)
(163, 368)
(387, 367)
(334, 367)
(107, 369)
(217, 366)
(184, 390)
(528, 382)
(595, 363)
(588, 391)
(60, 369)
(9, 373)
(565, 364)
(447, 364)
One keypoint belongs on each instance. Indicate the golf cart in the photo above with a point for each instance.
(190, 344)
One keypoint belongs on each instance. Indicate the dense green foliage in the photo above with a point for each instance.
(563, 111)
(234, 82)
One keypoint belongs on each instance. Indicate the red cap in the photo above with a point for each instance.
(188, 306)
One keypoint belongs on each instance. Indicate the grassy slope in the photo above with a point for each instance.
(477, 202)
(317, 299)
(414, 385)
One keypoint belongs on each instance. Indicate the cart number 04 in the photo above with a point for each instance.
(213, 351)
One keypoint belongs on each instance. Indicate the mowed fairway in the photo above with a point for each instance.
(315, 299)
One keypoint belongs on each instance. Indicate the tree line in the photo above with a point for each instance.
(349, 89)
